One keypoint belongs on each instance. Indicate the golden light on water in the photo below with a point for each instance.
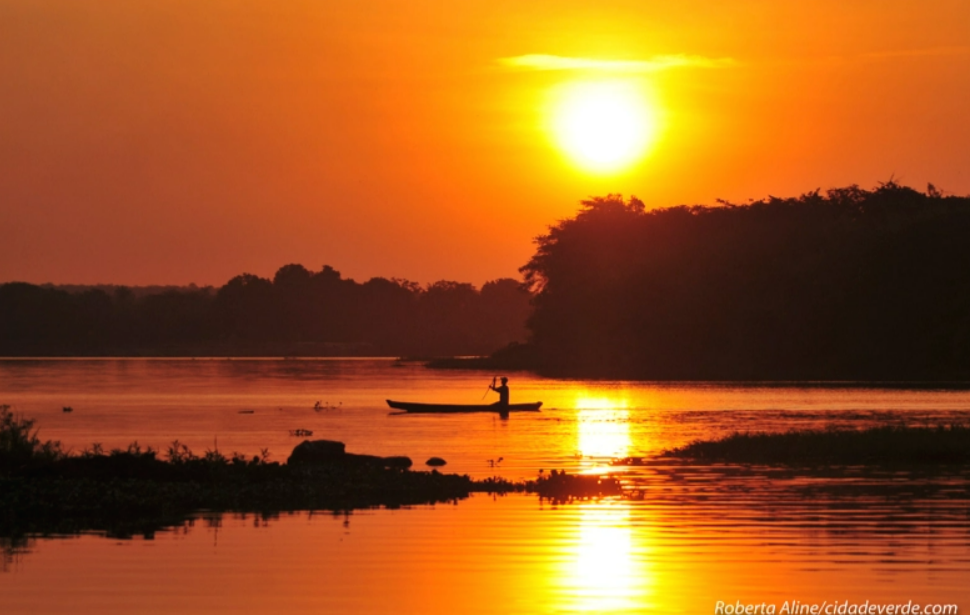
(602, 567)
(603, 126)
(603, 427)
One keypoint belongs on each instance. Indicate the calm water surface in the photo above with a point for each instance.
(686, 538)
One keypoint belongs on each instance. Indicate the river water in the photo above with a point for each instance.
(684, 539)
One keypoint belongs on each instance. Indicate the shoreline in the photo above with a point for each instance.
(41, 486)
(486, 364)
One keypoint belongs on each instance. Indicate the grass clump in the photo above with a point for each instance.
(881, 445)
(561, 487)
(19, 445)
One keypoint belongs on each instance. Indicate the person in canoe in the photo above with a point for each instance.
(503, 392)
(503, 407)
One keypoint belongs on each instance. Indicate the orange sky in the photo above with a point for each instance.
(177, 141)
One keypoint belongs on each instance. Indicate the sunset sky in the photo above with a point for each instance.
(171, 141)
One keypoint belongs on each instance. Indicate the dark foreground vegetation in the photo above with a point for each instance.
(297, 313)
(850, 284)
(885, 445)
(43, 490)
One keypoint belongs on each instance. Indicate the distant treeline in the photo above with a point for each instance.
(846, 284)
(298, 312)
(851, 284)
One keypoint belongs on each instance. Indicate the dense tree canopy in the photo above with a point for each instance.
(849, 284)
(843, 285)
(298, 312)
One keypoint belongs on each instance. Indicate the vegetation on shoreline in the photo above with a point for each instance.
(849, 284)
(883, 445)
(44, 490)
(297, 313)
(513, 357)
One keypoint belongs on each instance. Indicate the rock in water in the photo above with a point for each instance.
(316, 451)
(436, 461)
(331, 452)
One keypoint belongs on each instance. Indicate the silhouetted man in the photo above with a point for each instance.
(503, 392)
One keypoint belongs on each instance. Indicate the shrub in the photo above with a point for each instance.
(19, 444)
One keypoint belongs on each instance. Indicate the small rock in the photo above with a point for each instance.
(436, 461)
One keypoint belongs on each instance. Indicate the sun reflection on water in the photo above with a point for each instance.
(603, 427)
(604, 570)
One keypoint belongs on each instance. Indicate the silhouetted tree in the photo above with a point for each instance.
(847, 284)
(245, 310)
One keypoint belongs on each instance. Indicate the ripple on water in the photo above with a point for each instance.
(685, 537)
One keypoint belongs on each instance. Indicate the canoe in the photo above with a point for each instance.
(408, 406)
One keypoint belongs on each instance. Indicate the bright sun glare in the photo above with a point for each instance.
(603, 126)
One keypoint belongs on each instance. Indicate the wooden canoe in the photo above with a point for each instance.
(408, 406)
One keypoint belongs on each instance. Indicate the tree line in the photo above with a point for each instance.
(298, 312)
(849, 284)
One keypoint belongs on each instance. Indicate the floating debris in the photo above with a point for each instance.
(326, 406)
(247, 412)
(67, 409)
(301, 432)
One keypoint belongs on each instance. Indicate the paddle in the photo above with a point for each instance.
(494, 378)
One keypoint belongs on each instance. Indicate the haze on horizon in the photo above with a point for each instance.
(176, 141)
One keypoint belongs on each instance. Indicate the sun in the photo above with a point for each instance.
(602, 126)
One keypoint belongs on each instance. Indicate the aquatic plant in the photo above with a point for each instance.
(560, 486)
(95, 450)
(179, 453)
(886, 444)
(135, 450)
(214, 456)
